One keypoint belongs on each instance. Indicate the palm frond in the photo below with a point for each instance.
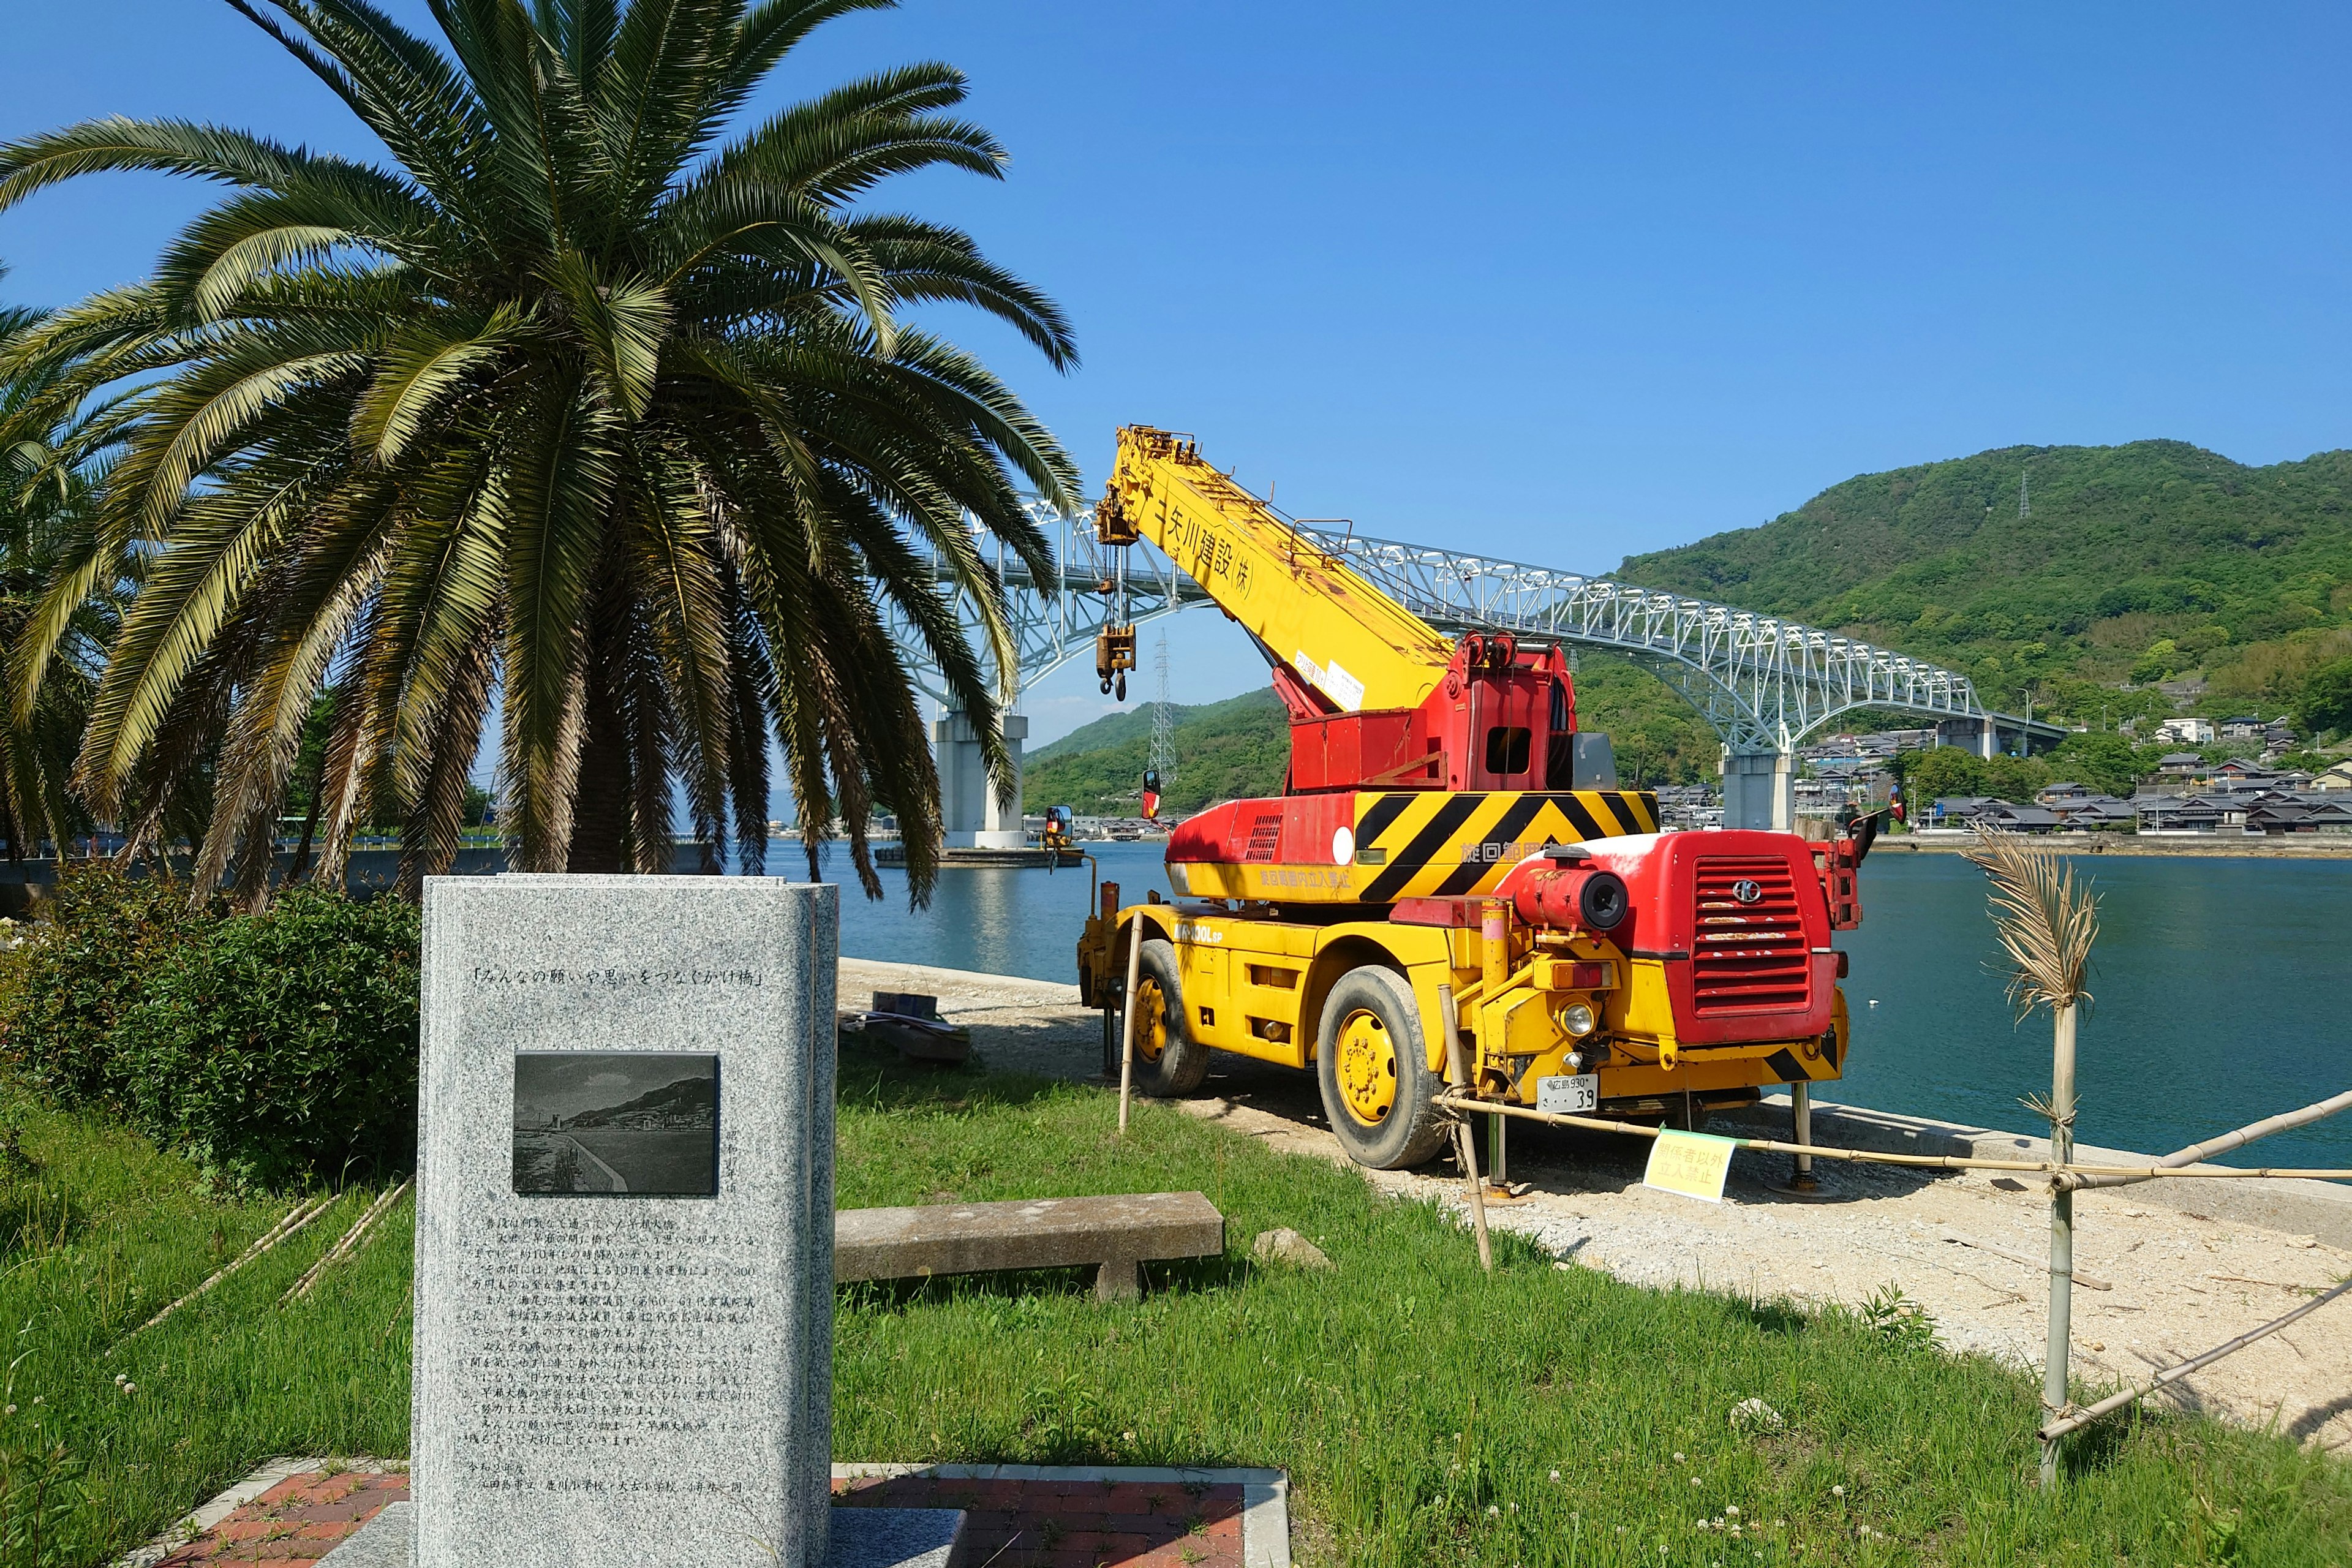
(2045, 920)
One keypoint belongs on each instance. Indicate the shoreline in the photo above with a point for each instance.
(2314, 847)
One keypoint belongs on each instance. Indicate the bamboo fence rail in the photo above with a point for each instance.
(2054, 1430)
(1925, 1162)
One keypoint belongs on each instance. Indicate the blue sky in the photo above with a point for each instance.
(1557, 282)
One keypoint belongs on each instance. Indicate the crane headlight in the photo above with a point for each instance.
(1576, 1019)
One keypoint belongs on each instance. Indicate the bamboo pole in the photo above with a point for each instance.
(2244, 1135)
(1127, 1021)
(2058, 1428)
(347, 1245)
(297, 1218)
(2058, 1357)
(1458, 1075)
(1918, 1161)
(1923, 1162)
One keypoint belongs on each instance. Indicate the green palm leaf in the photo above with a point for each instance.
(590, 410)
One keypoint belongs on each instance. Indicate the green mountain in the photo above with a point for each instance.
(1242, 747)
(1223, 749)
(2140, 562)
(2124, 566)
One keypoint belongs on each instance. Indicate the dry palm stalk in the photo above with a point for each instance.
(344, 1248)
(297, 1220)
(2046, 923)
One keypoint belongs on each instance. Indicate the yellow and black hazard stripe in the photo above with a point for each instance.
(1430, 844)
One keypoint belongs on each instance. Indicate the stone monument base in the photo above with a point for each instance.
(861, 1538)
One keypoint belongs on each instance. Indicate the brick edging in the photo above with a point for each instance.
(197, 1520)
(1265, 1494)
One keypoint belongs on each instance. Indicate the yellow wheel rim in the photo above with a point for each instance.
(1150, 1020)
(1367, 1068)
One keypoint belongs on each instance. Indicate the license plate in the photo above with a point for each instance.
(1577, 1095)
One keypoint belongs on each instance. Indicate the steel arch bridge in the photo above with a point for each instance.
(1762, 683)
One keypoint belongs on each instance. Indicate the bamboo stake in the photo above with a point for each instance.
(2058, 1357)
(296, 1219)
(1919, 1161)
(2090, 1412)
(1458, 1075)
(347, 1246)
(2047, 925)
(2226, 1140)
(1127, 1021)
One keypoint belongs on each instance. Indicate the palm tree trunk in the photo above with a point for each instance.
(600, 807)
(2062, 1232)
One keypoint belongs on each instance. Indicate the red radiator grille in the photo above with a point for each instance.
(1747, 956)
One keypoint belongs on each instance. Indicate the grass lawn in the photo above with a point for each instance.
(93, 1242)
(1421, 1407)
(1431, 1414)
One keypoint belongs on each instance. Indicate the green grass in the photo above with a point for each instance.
(93, 1241)
(1407, 1393)
(1421, 1408)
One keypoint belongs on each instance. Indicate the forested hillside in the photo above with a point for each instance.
(1238, 747)
(2127, 565)
(2140, 563)
(1241, 747)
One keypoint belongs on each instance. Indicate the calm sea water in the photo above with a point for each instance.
(2221, 988)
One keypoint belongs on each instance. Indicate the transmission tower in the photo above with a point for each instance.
(2024, 505)
(1163, 723)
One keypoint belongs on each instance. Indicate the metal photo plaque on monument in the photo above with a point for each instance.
(624, 1224)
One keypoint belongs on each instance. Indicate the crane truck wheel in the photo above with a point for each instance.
(1169, 1061)
(1373, 1067)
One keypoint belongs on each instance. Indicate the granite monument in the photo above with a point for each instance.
(625, 1223)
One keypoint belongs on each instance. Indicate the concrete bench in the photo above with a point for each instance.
(1115, 1234)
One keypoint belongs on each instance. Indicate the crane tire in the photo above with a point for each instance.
(1169, 1062)
(1373, 1065)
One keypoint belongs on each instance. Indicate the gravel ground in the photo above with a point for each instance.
(2176, 1284)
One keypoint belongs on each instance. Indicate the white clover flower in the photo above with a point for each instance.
(1493, 1512)
(1678, 1458)
(10, 1411)
(1731, 1508)
(130, 1388)
(1696, 1482)
(1838, 1490)
(1555, 1475)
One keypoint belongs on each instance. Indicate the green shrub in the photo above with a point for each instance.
(281, 1048)
(80, 971)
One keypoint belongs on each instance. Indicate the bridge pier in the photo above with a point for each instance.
(1759, 790)
(974, 814)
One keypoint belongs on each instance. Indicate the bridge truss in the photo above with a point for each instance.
(1762, 683)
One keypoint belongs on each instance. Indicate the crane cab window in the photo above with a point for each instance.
(1507, 749)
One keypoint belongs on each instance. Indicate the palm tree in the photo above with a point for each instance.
(576, 409)
(46, 489)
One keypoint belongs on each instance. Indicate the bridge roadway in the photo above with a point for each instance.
(1762, 683)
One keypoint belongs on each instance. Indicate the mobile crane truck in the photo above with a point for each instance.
(1452, 888)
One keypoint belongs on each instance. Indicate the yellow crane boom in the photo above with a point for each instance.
(1352, 645)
